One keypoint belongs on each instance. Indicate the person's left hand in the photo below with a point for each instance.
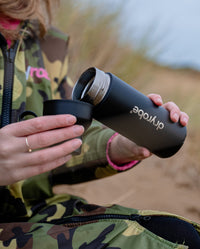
(122, 150)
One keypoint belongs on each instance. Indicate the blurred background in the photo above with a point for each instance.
(154, 46)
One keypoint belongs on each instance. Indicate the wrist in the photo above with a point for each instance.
(116, 158)
(118, 150)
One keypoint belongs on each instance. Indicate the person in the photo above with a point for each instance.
(36, 151)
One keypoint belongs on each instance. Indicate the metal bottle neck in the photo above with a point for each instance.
(96, 88)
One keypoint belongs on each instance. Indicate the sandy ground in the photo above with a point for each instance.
(158, 184)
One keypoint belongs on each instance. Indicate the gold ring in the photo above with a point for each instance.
(27, 144)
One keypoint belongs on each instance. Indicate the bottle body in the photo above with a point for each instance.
(135, 116)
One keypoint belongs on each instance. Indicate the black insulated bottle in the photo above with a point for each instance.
(129, 112)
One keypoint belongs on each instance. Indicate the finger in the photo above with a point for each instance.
(146, 153)
(174, 111)
(156, 98)
(40, 124)
(26, 172)
(48, 138)
(184, 118)
(36, 170)
(142, 153)
(50, 154)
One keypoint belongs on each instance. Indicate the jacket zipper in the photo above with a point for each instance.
(9, 58)
(86, 219)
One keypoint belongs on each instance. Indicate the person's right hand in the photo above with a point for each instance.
(51, 138)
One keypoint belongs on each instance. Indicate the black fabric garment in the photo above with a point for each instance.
(173, 229)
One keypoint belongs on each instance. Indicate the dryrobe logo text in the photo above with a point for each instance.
(151, 119)
(38, 72)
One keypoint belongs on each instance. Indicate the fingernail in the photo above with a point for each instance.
(78, 129)
(71, 119)
(67, 158)
(76, 143)
(175, 116)
(185, 120)
(146, 153)
(159, 100)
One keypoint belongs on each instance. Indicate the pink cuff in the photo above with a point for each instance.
(118, 167)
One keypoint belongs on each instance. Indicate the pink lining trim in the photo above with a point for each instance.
(117, 167)
(10, 24)
(9, 42)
